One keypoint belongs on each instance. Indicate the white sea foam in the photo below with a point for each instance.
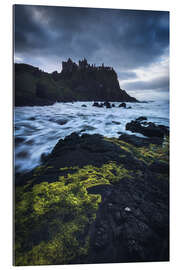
(37, 129)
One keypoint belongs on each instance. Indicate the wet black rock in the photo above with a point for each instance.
(32, 118)
(107, 104)
(148, 129)
(139, 142)
(61, 122)
(141, 118)
(30, 142)
(44, 157)
(122, 105)
(23, 154)
(79, 151)
(136, 227)
(84, 105)
(116, 122)
(159, 167)
(19, 140)
(132, 221)
(97, 104)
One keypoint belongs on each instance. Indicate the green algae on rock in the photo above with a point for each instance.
(59, 204)
(62, 211)
(50, 222)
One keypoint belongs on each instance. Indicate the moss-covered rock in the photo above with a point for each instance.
(94, 199)
(50, 222)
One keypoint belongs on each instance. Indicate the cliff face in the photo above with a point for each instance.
(76, 82)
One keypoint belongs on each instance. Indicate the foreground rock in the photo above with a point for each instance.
(140, 142)
(148, 129)
(95, 200)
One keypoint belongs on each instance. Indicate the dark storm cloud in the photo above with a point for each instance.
(123, 39)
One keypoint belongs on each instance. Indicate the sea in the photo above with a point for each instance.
(37, 129)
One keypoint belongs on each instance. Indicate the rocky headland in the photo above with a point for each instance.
(96, 200)
(75, 82)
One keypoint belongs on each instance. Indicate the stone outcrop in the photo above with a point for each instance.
(148, 129)
(75, 82)
(95, 200)
(122, 105)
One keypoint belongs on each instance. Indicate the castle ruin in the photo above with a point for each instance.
(70, 66)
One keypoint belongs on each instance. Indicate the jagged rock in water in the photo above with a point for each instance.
(107, 104)
(122, 105)
(141, 118)
(96, 104)
(116, 122)
(148, 129)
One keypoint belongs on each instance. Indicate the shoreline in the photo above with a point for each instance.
(73, 101)
(53, 125)
(115, 194)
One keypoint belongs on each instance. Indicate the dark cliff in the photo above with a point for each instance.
(76, 82)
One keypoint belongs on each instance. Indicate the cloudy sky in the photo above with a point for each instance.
(135, 43)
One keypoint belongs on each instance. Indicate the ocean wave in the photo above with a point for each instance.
(37, 129)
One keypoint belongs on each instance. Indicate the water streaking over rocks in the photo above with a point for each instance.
(38, 128)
